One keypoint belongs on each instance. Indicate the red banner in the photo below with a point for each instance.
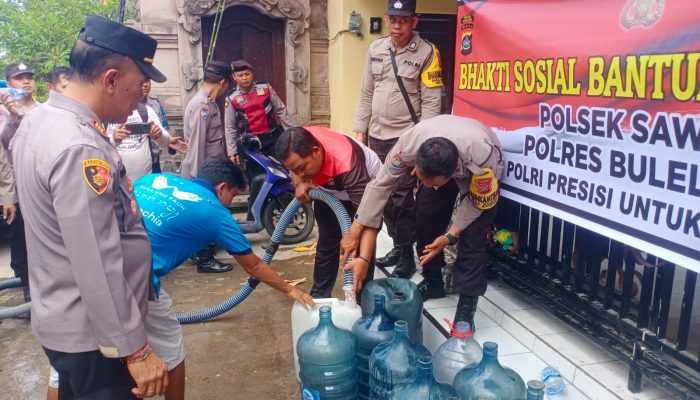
(597, 104)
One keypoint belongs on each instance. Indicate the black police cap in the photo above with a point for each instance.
(110, 35)
(220, 68)
(17, 69)
(401, 8)
(241, 65)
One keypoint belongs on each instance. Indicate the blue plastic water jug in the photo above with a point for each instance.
(424, 387)
(369, 331)
(394, 362)
(535, 390)
(403, 301)
(489, 380)
(327, 361)
(459, 351)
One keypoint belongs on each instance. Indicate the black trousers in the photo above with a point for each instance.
(328, 250)
(18, 249)
(469, 274)
(400, 210)
(433, 213)
(91, 376)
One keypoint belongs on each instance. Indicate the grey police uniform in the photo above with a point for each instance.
(203, 132)
(89, 255)
(479, 148)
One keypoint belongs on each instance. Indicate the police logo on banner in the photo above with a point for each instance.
(96, 173)
(483, 190)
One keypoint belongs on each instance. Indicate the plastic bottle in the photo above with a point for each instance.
(403, 301)
(369, 331)
(394, 362)
(457, 352)
(489, 380)
(15, 94)
(424, 387)
(553, 382)
(535, 390)
(328, 366)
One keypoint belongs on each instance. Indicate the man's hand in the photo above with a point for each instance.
(359, 269)
(10, 104)
(361, 137)
(150, 375)
(178, 144)
(120, 134)
(433, 249)
(236, 159)
(303, 298)
(156, 132)
(302, 192)
(350, 242)
(9, 212)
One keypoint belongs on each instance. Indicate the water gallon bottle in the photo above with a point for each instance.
(403, 301)
(553, 382)
(424, 387)
(369, 331)
(394, 362)
(489, 380)
(327, 361)
(15, 94)
(535, 390)
(344, 313)
(457, 352)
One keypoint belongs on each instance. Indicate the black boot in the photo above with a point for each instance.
(432, 289)
(390, 259)
(206, 263)
(406, 266)
(466, 308)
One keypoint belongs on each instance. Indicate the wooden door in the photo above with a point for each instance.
(439, 29)
(247, 34)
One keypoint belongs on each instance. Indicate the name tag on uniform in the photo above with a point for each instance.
(377, 59)
(241, 100)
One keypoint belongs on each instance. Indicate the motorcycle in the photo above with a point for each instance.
(275, 193)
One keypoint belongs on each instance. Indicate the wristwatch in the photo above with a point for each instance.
(452, 239)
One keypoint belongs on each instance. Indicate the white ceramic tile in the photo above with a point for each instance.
(507, 344)
(481, 320)
(577, 348)
(614, 374)
(527, 365)
(448, 301)
(490, 309)
(384, 243)
(378, 274)
(570, 393)
(553, 359)
(496, 284)
(591, 387)
(540, 322)
(432, 337)
(518, 331)
(441, 313)
(510, 300)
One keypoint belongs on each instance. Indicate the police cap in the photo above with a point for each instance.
(241, 65)
(17, 69)
(110, 35)
(402, 8)
(220, 68)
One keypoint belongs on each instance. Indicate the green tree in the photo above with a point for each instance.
(42, 32)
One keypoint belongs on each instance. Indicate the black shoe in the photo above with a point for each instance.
(431, 289)
(213, 266)
(406, 266)
(390, 259)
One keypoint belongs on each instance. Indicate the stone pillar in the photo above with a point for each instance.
(320, 95)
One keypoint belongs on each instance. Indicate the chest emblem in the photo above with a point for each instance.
(96, 173)
(204, 112)
(241, 100)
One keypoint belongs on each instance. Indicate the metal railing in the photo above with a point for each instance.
(613, 293)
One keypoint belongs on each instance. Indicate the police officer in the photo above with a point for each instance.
(402, 85)
(90, 256)
(439, 151)
(19, 76)
(204, 135)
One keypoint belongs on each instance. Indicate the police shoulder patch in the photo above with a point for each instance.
(96, 173)
(397, 161)
(432, 75)
(483, 190)
(204, 112)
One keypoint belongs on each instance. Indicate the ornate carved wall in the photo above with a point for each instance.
(297, 45)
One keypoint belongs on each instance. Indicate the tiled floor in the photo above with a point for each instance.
(529, 339)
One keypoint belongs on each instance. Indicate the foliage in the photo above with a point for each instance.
(42, 32)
